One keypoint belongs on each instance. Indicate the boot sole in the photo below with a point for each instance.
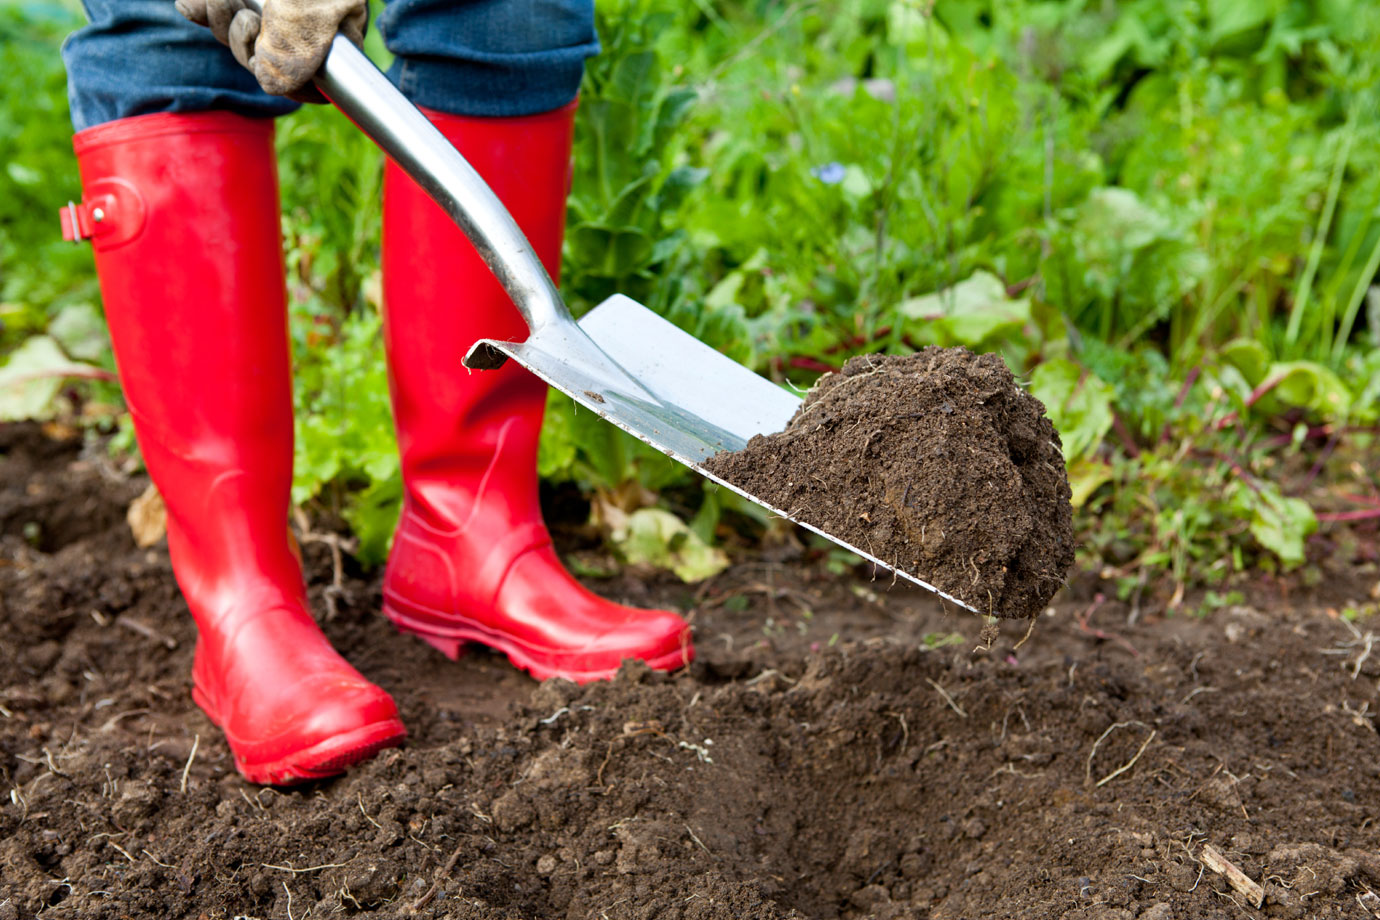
(320, 761)
(449, 642)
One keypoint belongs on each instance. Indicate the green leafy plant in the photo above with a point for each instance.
(39, 273)
(626, 184)
(1164, 214)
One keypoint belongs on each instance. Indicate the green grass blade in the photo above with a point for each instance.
(1334, 188)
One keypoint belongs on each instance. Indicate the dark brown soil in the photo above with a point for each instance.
(838, 750)
(935, 462)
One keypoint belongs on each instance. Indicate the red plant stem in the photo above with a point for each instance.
(810, 364)
(1259, 392)
(1123, 433)
(1235, 467)
(1369, 514)
(1085, 625)
(1191, 379)
(1012, 290)
(1317, 431)
(1256, 395)
(94, 373)
(858, 341)
(1323, 456)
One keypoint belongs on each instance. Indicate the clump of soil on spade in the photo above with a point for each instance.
(936, 462)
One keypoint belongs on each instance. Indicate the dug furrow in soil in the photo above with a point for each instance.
(936, 463)
(840, 749)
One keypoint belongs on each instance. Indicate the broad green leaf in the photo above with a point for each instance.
(907, 24)
(723, 295)
(1085, 476)
(1117, 220)
(81, 332)
(1129, 37)
(653, 536)
(1078, 402)
(679, 183)
(33, 377)
(1233, 384)
(611, 252)
(556, 451)
(372, 515)
(706, 519)
(1308, 385)
(634, 78)
(973, 312)
(1230, 18)
(1249, 357)
(669, 115)
(855, 182)
(962, 17)
(1278, 523)
(630, 199)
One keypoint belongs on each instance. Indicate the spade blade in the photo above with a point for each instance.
(663, 386)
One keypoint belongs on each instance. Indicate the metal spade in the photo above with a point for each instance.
(621, 360)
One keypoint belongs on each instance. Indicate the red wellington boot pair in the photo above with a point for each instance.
(183, 214)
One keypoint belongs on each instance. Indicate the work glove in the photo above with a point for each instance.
(288, 47)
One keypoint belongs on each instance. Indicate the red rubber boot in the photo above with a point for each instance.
(183, 214)
(471, 559)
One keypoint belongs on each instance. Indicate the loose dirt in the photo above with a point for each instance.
(936, 462)
(840, 749)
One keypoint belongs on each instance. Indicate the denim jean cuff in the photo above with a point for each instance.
(500, 86)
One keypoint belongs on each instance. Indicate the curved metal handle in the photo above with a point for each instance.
(360, 90)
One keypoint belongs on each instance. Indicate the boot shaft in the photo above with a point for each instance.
(182, 211)
(468, 440)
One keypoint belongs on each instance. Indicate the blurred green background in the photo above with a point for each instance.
(1164, 214)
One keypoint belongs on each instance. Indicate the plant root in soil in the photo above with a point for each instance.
(936, 462)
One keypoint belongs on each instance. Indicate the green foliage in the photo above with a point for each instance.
(1164, 214)
(32, 377)
(39, 273)
(345, 451)
(1078, 402)
(654, 536)
(626, 185)
(344, 431)
(1278, 523)
(976, 313)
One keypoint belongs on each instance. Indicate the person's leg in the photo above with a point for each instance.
(471, 558)
(489, 58)
(182, 211)
(138, 57)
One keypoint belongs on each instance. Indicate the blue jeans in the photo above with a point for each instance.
(463, 57)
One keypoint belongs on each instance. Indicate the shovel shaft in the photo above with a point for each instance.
(356, 87)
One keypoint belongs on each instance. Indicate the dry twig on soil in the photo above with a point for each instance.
(1248, 889)
(1130, 763)
(196, 741)
(146, 631)
(948, 699)
(1087, 767)
(425, 899)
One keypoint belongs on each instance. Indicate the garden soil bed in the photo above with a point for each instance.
(841, 748)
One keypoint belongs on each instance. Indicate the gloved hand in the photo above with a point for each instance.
(288, 47)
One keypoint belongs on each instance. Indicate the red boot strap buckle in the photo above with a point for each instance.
(112, 212)
(79, 220)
